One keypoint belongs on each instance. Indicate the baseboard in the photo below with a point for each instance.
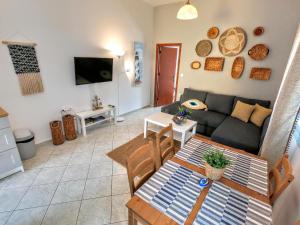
(124, 114)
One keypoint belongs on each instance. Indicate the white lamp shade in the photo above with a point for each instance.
(187, 12)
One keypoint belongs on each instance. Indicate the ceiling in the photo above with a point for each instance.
(161, 2)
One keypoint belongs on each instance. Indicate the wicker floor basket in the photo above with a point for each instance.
(57, 132)
(69, 127)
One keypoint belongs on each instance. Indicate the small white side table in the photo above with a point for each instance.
(107, 111)
(182, 132)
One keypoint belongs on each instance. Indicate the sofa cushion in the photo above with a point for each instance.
(242, 111)
(259, 115)
(208, 118)
(219, 103)
(237, 134)
(192, 94)
(250, 101)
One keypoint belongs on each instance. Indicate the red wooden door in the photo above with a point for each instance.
(166, 73)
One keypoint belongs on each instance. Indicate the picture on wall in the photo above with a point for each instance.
(138, 62)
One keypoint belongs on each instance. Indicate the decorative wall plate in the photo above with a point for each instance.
(260, 73)
(258, 31)
(195, 65)
(237, 67)
(232, 41)
(213, 32)
(203, 48)
(214, 63)
(258, 52)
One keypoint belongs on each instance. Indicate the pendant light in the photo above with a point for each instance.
(187, 12)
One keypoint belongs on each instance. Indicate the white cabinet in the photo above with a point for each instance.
(10, 161)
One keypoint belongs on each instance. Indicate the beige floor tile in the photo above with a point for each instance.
(4, 217)
(58, 160)
(76, 172)
(69, 191)
(96, 188)
(118, 169)
(119, 209)
(32, 216)
(95, 211)
(10, 198)
(120, 184)
(62, 214)
(21, 179)
(38, 196)
(80, 158)
(49, 175)
(100, 170)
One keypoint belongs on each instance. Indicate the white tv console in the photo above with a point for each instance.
(108, 112)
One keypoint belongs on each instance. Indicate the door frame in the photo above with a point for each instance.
(179, 45)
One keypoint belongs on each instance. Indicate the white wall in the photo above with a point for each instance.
(280, 19)
(64, 29)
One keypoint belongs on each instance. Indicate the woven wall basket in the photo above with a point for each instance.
(237, 67)
(232, 41)
(203, 48)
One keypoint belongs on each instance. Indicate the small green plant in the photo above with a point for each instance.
(184, 112)
(216, 159)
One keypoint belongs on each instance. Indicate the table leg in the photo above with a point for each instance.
(115, 115)
(194, 130)
(78, 125)
(83, 128)
(183, 136)
(131, 220)
(145, 128)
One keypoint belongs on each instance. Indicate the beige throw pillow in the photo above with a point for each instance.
(194, 104)
(242, 111)
(259, 115)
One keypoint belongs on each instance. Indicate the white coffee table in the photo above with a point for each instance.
(182, 132)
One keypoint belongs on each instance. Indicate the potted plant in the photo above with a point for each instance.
(215, 164)
(182, 114)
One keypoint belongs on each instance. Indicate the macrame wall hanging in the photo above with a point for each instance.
(26, 66)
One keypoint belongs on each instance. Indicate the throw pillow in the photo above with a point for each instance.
(194, 104)
(259, 115)
(242, 111)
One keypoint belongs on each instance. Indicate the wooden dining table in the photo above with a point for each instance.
(239, 197)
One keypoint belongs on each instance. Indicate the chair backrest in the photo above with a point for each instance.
(165, 147)
(279, 178)
(140, 166)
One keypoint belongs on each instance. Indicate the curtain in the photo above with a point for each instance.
(285, 109)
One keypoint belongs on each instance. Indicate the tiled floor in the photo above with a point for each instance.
(74, 183)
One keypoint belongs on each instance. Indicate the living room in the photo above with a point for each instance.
(84, 180)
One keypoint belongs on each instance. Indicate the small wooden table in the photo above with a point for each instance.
(108, 112)
(182, 132)
(147, 214)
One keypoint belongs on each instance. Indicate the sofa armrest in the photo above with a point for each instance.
(171, 109)
(264, 130)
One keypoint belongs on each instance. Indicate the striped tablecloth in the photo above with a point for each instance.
(172, 190)
(224, 205)
(245, 170)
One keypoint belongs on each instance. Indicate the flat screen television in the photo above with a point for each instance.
(93, 70)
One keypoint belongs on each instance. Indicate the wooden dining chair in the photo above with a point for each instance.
(165, 146)
(279, 178)
(141, 165)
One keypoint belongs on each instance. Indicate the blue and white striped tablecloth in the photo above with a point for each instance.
(224, 205)
(172, 190)
(245, 170)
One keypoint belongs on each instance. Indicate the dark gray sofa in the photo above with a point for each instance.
(217, 122)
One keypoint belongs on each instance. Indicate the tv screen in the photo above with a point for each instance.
(93, 70)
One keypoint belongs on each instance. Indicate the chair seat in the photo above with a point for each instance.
(238, 134)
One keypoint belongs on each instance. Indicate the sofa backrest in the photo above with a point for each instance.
(219, 103)
(191, 94)
(250, 101)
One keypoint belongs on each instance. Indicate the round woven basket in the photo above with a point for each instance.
(69, 127)
(57, 133)
(213, 173)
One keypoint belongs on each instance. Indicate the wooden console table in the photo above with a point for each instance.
(108, 112)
